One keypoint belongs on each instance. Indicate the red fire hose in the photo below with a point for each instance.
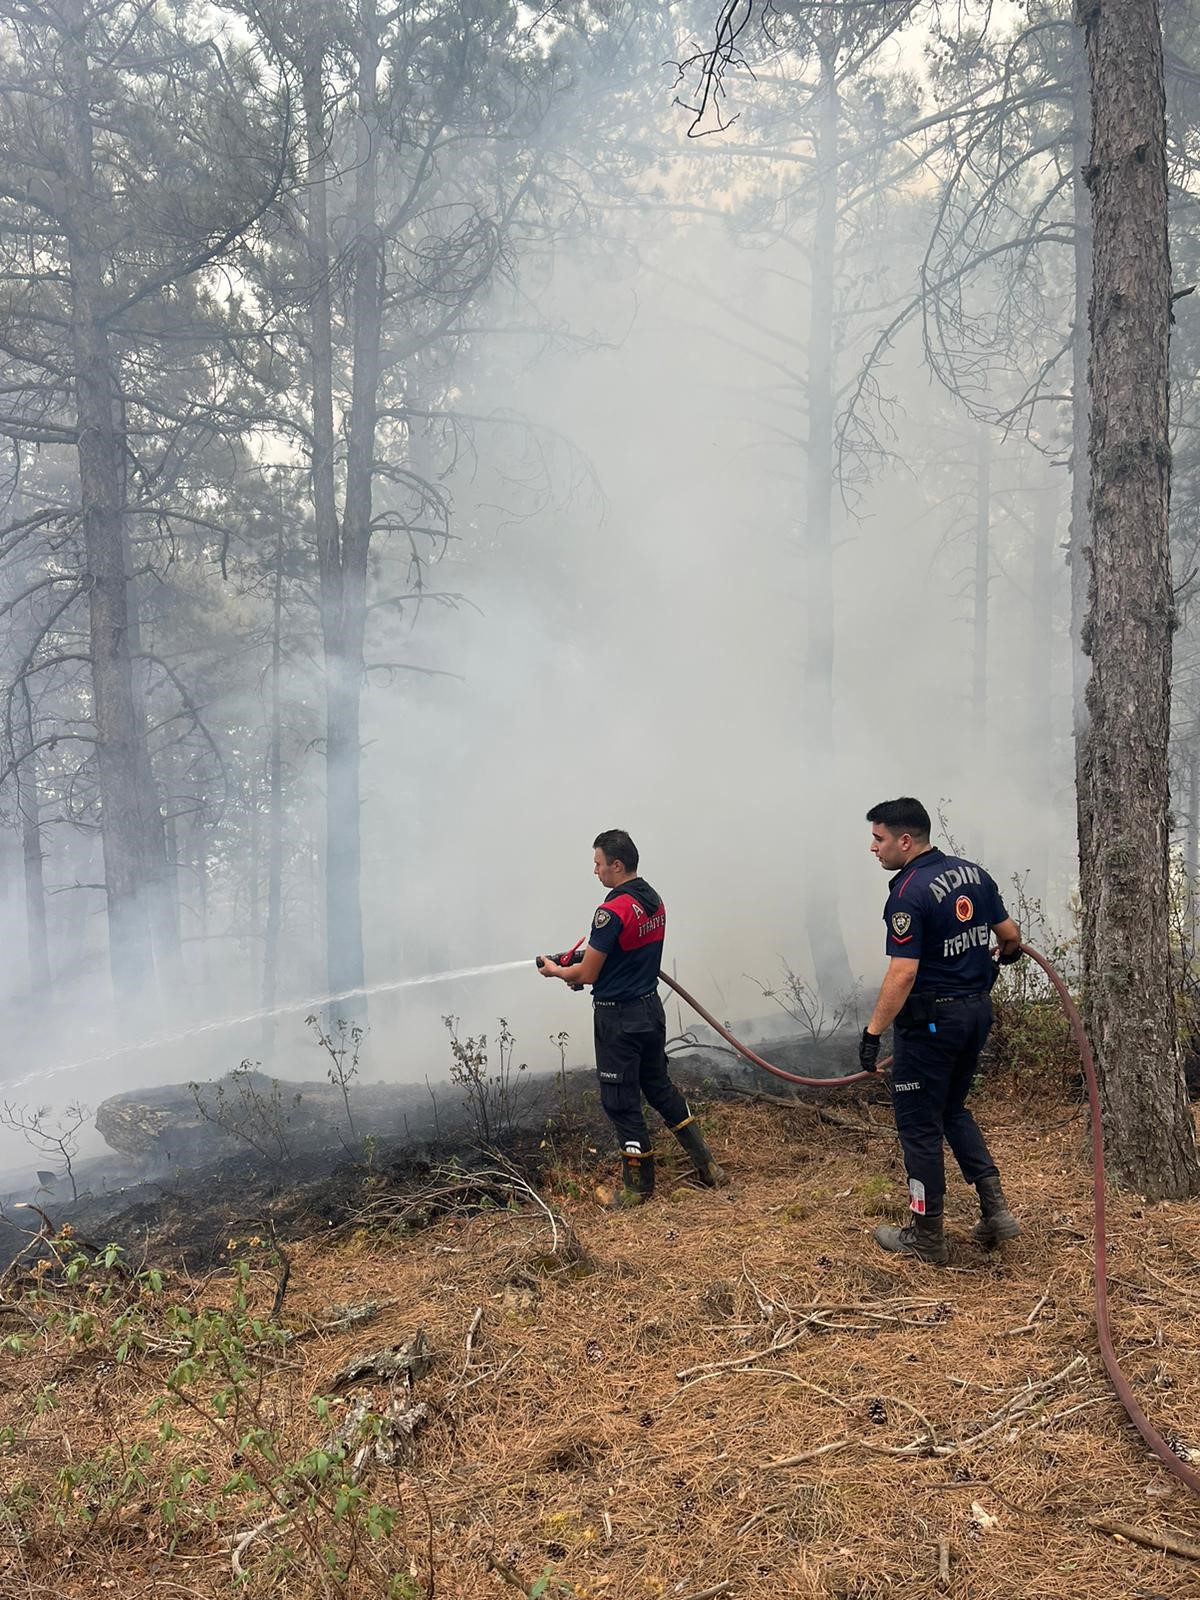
(1108, 1353)
(755, 1060)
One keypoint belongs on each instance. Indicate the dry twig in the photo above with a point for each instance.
(943, 1563)
(760, 1516)
(1171, 1543)
(1028, 1398)
(1031, 1320)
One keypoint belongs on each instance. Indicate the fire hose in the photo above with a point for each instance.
(1108, 1354)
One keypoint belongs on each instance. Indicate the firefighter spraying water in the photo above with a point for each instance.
(943, 962)
(621, 962)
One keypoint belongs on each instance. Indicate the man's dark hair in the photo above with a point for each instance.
(617, 846)
(905, 815)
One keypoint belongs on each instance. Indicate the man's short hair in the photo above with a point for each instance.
(617, 846)
(905, 815)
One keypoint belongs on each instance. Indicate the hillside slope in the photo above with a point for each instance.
(608, 1421)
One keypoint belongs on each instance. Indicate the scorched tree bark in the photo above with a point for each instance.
(1125, 802)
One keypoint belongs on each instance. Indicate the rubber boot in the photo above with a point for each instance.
(996, 1221)
(710, 1174)
(922, 1238)
(637, 1178)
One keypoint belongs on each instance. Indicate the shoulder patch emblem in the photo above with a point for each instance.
(964, 909)
(901, 923)
(601, 918)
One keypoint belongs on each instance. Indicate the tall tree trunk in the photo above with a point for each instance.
(830, 963)
(201, 868)
(29, 809)
(1127, 970)
(120, 733)
(162, 891)
(253, 886)
(165, 916)
(1191, 846)
(980, 614)
(324, 487)
(274, 801)
(343, 551)
(1041, 672)
(324, 481)
(36, 940)
(1079, 545)
(76, 921)
(1079, 542)
(343, 861)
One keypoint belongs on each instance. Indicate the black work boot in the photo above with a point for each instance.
(922, 1238)
(637, 1178)
(710, 1174)
(996, 1221)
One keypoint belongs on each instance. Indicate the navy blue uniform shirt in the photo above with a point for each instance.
(629, 928)
(940, 912)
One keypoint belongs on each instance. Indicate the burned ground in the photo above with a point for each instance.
(730, 1393)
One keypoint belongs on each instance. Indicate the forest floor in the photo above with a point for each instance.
(724, 1394)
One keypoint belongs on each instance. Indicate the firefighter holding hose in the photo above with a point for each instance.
(940, 915)
(621, 962)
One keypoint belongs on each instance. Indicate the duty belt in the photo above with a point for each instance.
(959, 999)
(629, 1000)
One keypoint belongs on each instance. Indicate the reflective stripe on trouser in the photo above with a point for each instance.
(631, 1061)
(931, 1078)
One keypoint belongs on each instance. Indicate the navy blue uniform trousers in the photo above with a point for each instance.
(931, 1078)
(631, 1061)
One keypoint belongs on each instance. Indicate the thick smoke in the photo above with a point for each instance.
(624, 646)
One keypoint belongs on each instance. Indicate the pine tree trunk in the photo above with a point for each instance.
(201, 871)
(1041, 673)
(1191, 848)
(162, 888)
(1148, 1127)
(980, 618)
(831, 965)
(120, 733)
(341, 705)
(35, 886)
(29, 809)
(1079, 546)
(254, 867)
(343, 862)
(275, 804)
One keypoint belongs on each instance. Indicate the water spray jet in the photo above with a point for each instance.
(223, 1024)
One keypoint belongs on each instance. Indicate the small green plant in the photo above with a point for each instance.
(252, 1108)
(341, 1043)
(549, 1584)
(405, 1588)
(214, 1448)
(492, 1097)
(875, 1191)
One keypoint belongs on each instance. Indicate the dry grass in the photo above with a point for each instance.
(622, 1428)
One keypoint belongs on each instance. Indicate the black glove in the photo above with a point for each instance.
(1007, 960)
(868, 1051)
